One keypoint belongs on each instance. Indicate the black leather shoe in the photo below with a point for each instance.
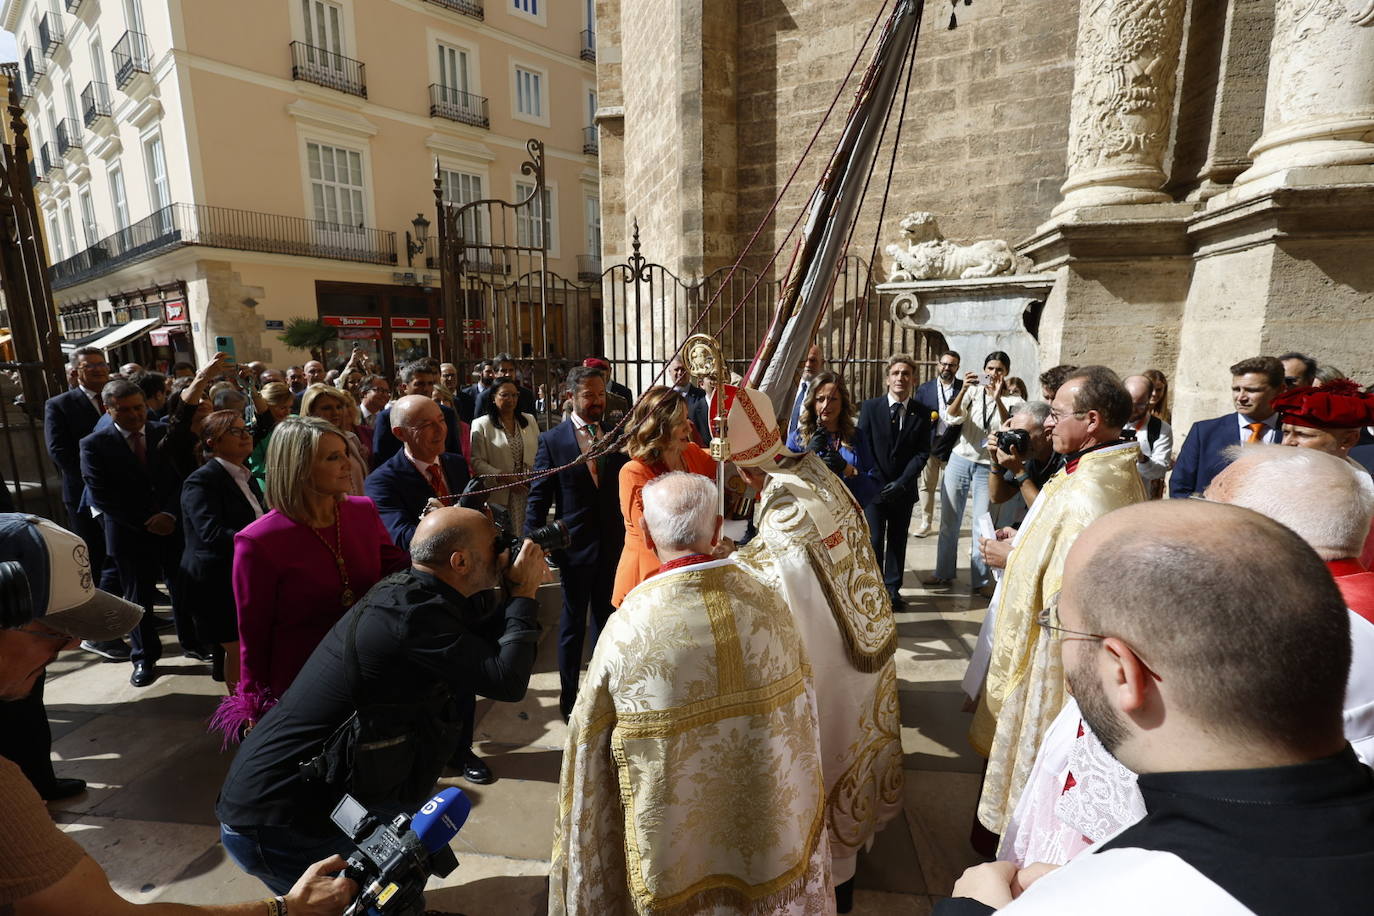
(217, 667)
(200, 655)
(144, 674)
(898, 602)
(477, 772)
(64, 788)
(115, 650)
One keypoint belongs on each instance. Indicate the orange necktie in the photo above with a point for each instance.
(436, 480)
(1256, 432)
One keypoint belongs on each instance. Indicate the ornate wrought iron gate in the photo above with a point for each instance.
(499, 297)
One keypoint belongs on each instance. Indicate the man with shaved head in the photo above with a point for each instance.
(421, 638)
(1152, 434)
(1220, 683)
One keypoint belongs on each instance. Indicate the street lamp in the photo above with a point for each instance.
(417, 244)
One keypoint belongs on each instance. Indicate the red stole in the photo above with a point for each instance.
(1356, 584)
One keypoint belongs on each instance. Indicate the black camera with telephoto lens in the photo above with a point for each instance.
(1013, 440)
(550, 537)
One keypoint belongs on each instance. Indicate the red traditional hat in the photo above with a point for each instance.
(1339, 404)
(592, 362)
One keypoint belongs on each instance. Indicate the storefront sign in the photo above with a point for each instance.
(176, 312)
(410, 324)
(351, 321)
(274, 324)
(360, 333)
(160, 338)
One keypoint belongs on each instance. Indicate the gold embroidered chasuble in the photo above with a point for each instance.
(845, 618)
(691, 778)
(1024, 689)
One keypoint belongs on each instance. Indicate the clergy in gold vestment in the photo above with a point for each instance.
(691, 778)
(1024, 689)
(814, 549)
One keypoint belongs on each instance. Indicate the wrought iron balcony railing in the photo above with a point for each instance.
(73, 6)
(477, 259)
(177, 225)
(95, 103)
(35, 65)
(591, 143)
(130, 56)
(36, 175)
(325, 68)
(52, 159)
(588, 267)
(68, 136)
(588, 45)
(466, 7)
(445, 102)
(50, 33)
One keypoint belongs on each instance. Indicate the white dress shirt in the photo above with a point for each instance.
(240, 475)
(1273, 435)
(1155, 462)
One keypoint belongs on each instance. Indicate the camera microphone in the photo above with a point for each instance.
(439, 819)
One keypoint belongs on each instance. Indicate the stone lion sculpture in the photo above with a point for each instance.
(927, 255)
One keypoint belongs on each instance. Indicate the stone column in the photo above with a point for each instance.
(1319, 108)
(1123, 101)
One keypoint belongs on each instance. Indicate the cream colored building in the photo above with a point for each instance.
(210, 170)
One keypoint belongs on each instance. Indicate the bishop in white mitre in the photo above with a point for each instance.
(814, 549)
(692, 778)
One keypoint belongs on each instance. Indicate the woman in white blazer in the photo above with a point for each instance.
(504, 442)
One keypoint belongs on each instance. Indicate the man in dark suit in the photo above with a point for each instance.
(813, 365)
(698, 408)
(67, 419)
(419, 472)
(138, 495)
(1255, 382)
(463, 399)
(612, 386)
(586, 498)
(505, 368)
(935, 395)
(486, 374)
(897, 430)
(419, 378)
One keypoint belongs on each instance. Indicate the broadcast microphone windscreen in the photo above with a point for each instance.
(439, 819)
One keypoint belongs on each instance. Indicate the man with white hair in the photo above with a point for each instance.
(1077, 795)
(692, 776)
(813, 549)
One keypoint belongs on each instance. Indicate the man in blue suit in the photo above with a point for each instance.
(505, 368)
(1255, 382)
(138, 495)
(67, 419)
(586, 498)
(419, 378)
(896, 430)
(813, 365)
(419, 472)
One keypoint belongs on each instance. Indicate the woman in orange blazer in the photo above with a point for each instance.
(660, 440)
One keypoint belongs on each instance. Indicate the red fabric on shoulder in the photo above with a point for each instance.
(1356, 584)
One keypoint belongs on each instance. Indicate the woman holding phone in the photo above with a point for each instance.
(978, 410)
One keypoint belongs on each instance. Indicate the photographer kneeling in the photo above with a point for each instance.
(1023, 459)
(372, 713)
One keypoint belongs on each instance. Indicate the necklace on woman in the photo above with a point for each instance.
(346, 599)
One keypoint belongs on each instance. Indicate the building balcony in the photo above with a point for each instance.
(50, 34)
(35, 65)
(36, 177)
(466, 7)
(52, 159)
(325, 68)
(588, 45)
(457, 106)
(130, 56)
(68, 136)
(74, 6)
(588, 267)
(180, 225)
(95, 103)
(477, 259)
(591, 142)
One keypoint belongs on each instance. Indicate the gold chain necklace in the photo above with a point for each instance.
(346, 599)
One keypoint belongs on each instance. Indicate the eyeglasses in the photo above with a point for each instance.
(1060, 417)
(242, 432)
(1048, 619)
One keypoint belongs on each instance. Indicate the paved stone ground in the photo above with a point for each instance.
(154, 772)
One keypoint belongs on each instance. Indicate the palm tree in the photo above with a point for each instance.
(308, 334)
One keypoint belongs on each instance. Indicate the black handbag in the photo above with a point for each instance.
(385, 752)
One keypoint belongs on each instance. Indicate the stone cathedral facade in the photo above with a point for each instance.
(1193, 179)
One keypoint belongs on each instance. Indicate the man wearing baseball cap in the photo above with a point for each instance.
(48, 603)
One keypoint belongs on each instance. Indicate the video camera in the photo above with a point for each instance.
(395, 859)
(551, 537)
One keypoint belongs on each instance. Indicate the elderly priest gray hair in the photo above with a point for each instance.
(680, 510)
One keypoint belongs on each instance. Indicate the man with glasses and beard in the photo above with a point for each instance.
(1223, 689)
(936, 395)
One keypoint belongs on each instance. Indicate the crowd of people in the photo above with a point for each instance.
(307, 529)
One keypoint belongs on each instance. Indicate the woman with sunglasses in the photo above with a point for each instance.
(218, 499)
